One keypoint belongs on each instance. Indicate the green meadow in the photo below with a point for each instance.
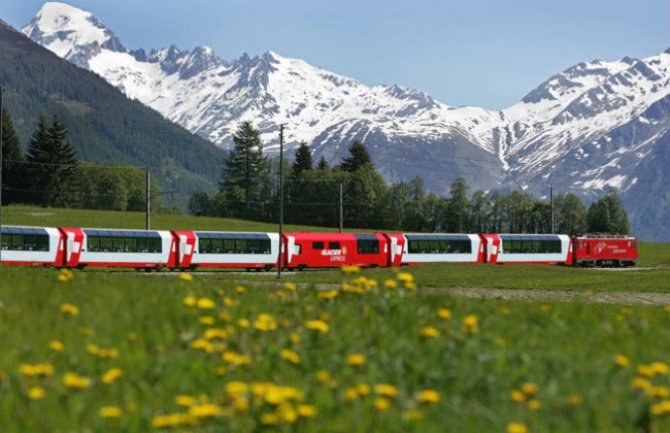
(375, 351)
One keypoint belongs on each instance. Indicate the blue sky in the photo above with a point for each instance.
(487, 53)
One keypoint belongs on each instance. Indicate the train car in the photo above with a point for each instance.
(528, 248)
(605, 250)
(33, 246)
(327, 250)
(119, 248)
(227, 250)
(418, 248)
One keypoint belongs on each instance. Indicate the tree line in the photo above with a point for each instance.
(248, 189)
(49, 173)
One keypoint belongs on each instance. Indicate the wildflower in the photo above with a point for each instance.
(225, 316)
(36, 393)
(240, 289)
(661, 409)
(215, 334)
(350, 269)
(356, 360)
(228, 302)
(269, 419)
(327, 294)
(74, 381)
(390, 284)
(621, 361)
(363, 389)
(405, 277)
(545, 308)
(641, 383)
(185, 400)
(265, 322)
(470, 324)
(110, 412)
(186, 277)
(505, 311)
(65, 275)
(382, 404)
(534, 404)
(517, 396)
(351, 394)
(413, 415)
(410, 285)
(206, 320)
(529, 388)
(173, 419)
(236, 388)
(291, 287)
(429, 332)
(236, 359)
(206, 304)
(323, 376)
(290, 356)
(386, 390)
(575, 400)
(69, 309)
(202, 344)
(306, 410)
(444, 314)
(287, 413)
(517, 427)
(86, 331)
(660, 368)
(220, 371)
(660, 392)
(56, 346)
(645, 370)
(428, 396)
(294, 338)
(206, 410)
(44, 369)
(243, 323)
(318, 325)
(190, 301)
(112, 375)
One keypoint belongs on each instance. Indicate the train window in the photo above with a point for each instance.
(142, 246)
(333, 245)
(204, 246)
(216, 246)
(317, 245)
(229, 246)
(368, 246)
(240, 246)
(20, 242)
(531, 246)
(632, 244)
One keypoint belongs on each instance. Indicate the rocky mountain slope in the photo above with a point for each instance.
(591, 127)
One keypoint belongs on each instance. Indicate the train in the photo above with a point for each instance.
(67, 247)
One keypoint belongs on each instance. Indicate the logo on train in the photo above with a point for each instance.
(337, 255)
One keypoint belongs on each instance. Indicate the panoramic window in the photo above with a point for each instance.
(222, 243)
(368, 246)
(21, 242)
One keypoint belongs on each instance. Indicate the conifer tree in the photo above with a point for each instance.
(358, 157)
(13, 161)
(323, 164)
(303, 160)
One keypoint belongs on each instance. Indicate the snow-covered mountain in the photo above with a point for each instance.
(593, 126)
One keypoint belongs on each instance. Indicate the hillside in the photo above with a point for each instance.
(104, 125)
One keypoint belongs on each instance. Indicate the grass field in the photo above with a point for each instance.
(280, 360)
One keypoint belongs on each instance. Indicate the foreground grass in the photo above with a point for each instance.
(480, 353)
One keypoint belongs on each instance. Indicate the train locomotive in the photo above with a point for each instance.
(154, 249)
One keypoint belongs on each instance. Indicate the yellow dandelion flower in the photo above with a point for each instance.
(517, 396)
(112, 375)
(36, 393)
(225, 316)
(529, 388)
(65, 275)
(405, 277)
(660, 368)
(390, 284)
(641, 383)
(269, 419)
(621, 361)
(505, 311)
(291, 287)
(69, 309)
(470, 324)
(661, 409)
(410, 286)
(229, 302)
(386, 390)
(545, 308)
(56, 346)
(206, 320)
(202, 344)
(74, 381)
(534, 404)
(356, 360)
(350, 269)
(444, 314)
(351, 394)
(428, 396)
(241, 404)
(44, 369)
(660, 392)
(382, 404)
(327, 294)
(186, 277)
(240, 289)
(190, 301)
(363, 389)
(220, 371)
(323, 376)
(318, 325)
(575, 400)
(236, 388)
(306, 410)
(243, 323)
(645, 370)
(517, 427)
(133, 336)
(429, 332)
(290, 356)
(110, 412)
(294, 338)
(206, 304)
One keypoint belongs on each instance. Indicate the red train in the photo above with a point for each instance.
(81, 247)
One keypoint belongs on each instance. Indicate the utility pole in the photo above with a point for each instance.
(281, 196)
(2, 91)
(341, 207)
(551, 204)
(148, 212)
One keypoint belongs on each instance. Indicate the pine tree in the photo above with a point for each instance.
(13, 161)
(458, 207)
(303, 160)
(241, 177)
(323, 164)
(358, 157)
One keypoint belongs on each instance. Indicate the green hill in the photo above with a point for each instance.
(104, 125)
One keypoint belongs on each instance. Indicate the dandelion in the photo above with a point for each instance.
(505, 311)
(74, 381)
(294, 338)
(65, 275)
(56, 346)
(645, 370)
(350, 269)
(405, 277)
(110, 412)
(641, 383)
(186, 277)
(36, 393)
(575, 400)
(444, 314)
(363, 389)
(225, 316)
(660, 368)
(529, 388)
(621, 361)
(327, 294)
(351, 394)
(39, 370)
(206, 304)
(206, 320)
(323, 376)
(429, 332)
(386, 390)
(306, 410)
(190, 301)
(660, 392)
(185, 400)
(229, 302)
(390, 284)
(291, 287)
(428, 396)
(410, 286)
(356, 360)
(413, 415)
(517, 396)
(382, 404)
(236, 388)
(545, 308)
(112, 375)
(661, 409)
(470, 324)
(69, 309)
(206, 410)
(534, 404)
(133, 336)
(173, 419)
(290, 356)
(240, 289)
(318, 325)
(517, 427)
(265, 322)
(269, 419)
